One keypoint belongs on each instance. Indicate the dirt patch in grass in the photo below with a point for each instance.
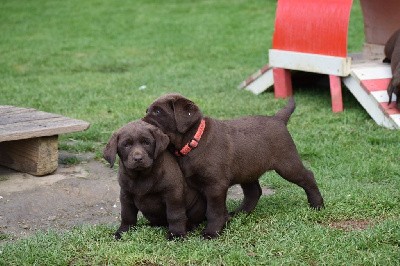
(81, 191)
(351, 225)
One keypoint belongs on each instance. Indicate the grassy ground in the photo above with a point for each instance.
(92, 59)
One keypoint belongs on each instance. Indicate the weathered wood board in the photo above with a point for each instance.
(36, 156)
(24, 123)
(29, 138)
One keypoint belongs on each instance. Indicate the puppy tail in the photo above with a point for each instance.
(285, 113)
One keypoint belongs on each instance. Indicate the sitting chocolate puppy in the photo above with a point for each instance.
(392, 56)
(151, 181)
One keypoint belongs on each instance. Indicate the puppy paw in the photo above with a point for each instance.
(316, 202)
(117, 235)
(123, 229)
(317, 207)
(210, 235)
(175, 236)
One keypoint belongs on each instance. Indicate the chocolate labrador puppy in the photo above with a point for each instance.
(216, 154)
(392, 54)
(151, 181)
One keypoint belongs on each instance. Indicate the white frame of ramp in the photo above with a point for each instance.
(371, 101)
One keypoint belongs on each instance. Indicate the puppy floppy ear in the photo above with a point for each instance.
(186, 114)
(161, 141)
(110, 151)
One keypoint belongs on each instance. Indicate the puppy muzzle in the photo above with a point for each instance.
(138, 161)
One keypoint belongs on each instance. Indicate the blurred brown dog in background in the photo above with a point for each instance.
(392, 54)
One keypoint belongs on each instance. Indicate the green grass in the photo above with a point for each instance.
(88, 59)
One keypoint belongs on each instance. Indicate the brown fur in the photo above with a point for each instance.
(392, 54)
(151, 181)
(231, 152)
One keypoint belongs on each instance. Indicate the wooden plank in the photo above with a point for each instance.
(283, 83)
(29, 138)
(315, 63)
(262, 83)
(37, 156)
(14, 110)
(13, 118)
(368, 103)
(253, 77)
(389, 109)
(374, 70)
(375, 84)
(373, 100)
(26, 130)
(378, 89)
(396, 119)
(381, 96)
(336, 93)
(24, 123)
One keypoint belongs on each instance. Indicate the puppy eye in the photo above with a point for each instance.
(157, 111)
(146, 142)
(127, 144)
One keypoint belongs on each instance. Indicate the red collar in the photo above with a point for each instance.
(195, 140)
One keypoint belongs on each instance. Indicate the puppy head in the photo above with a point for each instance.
(137, 144)
(173, 113)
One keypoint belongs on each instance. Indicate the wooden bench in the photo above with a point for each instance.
(29, 138)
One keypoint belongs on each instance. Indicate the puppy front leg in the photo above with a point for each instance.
(129, 213)
(217, 213)
(176, 215)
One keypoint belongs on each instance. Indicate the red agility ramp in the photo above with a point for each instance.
(311, 36)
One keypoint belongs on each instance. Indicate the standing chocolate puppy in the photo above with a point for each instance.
(216, 154)
(392, 54)
(151, 181)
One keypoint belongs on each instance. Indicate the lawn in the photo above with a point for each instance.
(106, 61)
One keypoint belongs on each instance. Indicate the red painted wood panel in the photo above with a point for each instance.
(375, 84)
(390, 109)
(371, 85)
(312, 26)
(336, 93)
(283, 83)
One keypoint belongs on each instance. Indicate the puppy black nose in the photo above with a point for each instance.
(137, 158)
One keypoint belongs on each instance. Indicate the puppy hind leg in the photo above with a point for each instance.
(313, 194)
(252, 193)
(304, 178)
